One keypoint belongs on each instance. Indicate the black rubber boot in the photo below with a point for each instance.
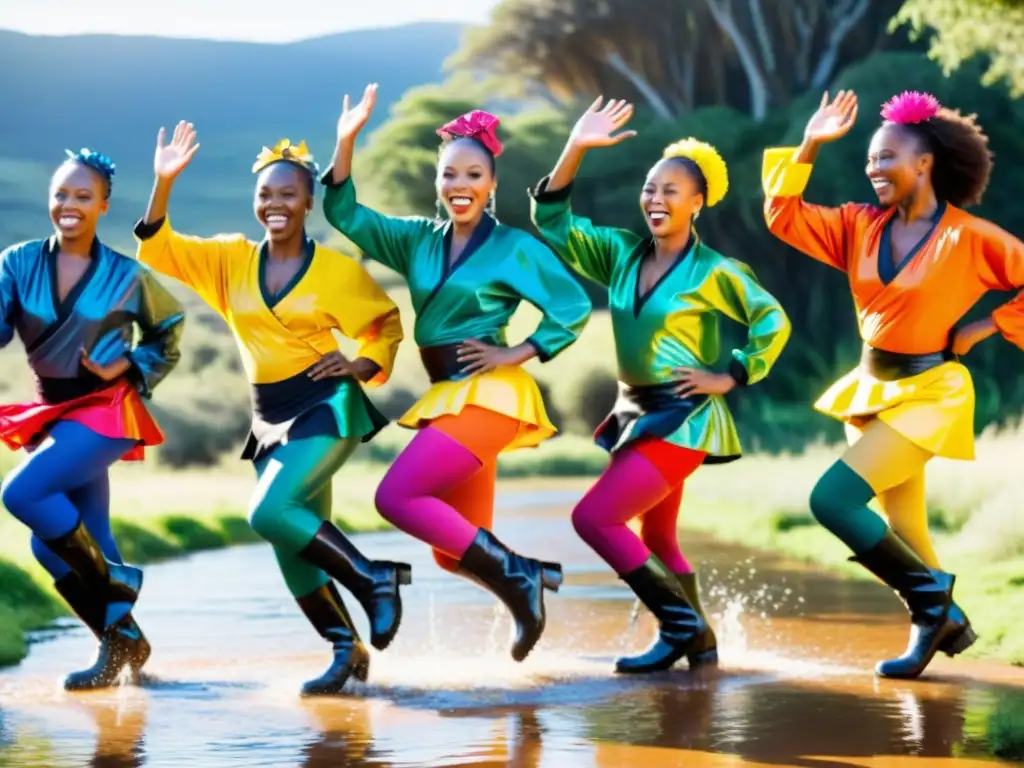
(705, 644)
(374, 583)
(519, 582)
(79, 550)
(681, 628)
(327, 613)
(936, 622)
(121, 645)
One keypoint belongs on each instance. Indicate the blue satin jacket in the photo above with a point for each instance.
(115, 294)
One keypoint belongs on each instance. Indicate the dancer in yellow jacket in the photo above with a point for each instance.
(282, 298)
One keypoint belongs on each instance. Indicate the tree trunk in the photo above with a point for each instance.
(650, 95)
(755, 78)
(846, 17)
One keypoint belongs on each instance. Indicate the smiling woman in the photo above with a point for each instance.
(74, 304)
(666, 291)
(467, 276)
(916, 263)
(282, 298)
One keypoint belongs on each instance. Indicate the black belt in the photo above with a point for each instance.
(63, 390)
(659, 397)
(441, 362)
(283, 400)
(890, 366)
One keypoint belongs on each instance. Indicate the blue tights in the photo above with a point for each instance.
(63, 481)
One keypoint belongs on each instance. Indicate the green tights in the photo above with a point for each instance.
(291, 500)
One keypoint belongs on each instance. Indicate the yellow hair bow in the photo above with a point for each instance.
(284, 150)
(711, 164)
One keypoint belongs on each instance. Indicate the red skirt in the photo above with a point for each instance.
(115, 412)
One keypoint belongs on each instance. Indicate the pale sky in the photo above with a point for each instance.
(263, 20)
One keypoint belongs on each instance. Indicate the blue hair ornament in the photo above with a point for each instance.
(99, 162)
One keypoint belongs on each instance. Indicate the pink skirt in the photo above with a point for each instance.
(116, 412)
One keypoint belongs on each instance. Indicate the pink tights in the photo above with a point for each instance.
(638, 482)
(441, 487)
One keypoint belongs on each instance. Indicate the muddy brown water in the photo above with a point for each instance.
(230, 649)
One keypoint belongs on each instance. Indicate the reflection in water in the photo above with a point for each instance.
(120, 728)
(345, 735)
(794, 689)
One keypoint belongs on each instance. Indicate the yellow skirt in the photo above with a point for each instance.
(508, 390)
(934, 409)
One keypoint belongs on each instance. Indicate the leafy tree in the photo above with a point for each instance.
(966, 28)
(397, 171)
(674, 56)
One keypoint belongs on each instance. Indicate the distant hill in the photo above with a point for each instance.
(112, 93)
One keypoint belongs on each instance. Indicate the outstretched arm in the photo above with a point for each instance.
(199, 263)
(385, 239)
(588, 249)
(815, 230)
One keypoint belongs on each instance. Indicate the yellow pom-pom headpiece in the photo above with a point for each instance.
(285, 150)
(710, 164)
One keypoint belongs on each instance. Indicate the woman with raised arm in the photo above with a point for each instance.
(467, 275)
(666, 291)
(917, 263)
(282, 298)
(75, 304)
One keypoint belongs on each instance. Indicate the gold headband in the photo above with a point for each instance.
(284, 150)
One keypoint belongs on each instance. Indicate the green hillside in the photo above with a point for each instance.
(112, 93)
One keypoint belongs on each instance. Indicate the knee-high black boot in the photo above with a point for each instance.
(681, 629)
(705, 644)
(79, 550)
(374, 583)
(519, 582)
(936, 622)
(326, 611)
(121, 645)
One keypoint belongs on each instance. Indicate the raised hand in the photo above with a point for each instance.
(597, 127)
(171, 159)
(832, 120)
(353, 119)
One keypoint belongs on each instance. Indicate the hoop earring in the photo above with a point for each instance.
(492, 205)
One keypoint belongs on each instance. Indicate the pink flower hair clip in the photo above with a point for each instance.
(910, 107)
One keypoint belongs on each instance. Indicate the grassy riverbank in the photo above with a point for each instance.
(157, 515)
(160, 513)
(975, 512)
(761, 502)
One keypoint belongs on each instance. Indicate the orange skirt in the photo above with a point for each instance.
(116, 412)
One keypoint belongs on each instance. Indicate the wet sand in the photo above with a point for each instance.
(794, 688)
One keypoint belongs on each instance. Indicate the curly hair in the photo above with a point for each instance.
(963, 161)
